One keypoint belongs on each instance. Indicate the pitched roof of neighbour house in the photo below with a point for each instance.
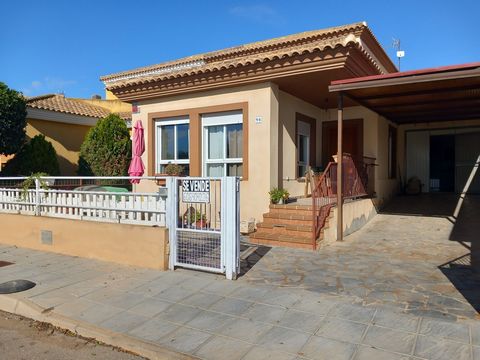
(81, 107)
(357, 35)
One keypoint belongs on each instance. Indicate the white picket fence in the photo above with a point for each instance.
(123, 207)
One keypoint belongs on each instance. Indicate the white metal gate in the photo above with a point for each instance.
(203, 216)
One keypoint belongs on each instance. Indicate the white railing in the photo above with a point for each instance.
(117, 207)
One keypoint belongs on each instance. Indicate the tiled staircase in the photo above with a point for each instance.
(288, 225)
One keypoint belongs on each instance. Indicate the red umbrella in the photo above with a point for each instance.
(136, 167)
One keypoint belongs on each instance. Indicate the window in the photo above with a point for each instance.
(392, 152)
(303, 147)
(223, 144)
(172, 142)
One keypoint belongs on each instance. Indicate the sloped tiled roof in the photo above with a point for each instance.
(57, 102)
(257, 52)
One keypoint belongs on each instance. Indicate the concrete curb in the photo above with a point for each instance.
(28, 309)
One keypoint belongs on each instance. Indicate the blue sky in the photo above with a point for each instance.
(65, 46)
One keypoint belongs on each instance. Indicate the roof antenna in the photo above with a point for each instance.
(400, 53)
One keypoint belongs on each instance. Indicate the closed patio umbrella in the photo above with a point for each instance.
(136, 167)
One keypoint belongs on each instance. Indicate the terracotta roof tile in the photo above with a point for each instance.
(256, 52)
(56, 102)
(62, 104)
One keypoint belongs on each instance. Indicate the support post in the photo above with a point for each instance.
(37, 197)
(340, 169)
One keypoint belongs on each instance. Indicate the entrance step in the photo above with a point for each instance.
(281, 240)
(288, 225)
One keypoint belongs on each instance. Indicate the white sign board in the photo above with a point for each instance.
(196, 191)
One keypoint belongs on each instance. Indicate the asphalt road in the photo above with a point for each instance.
(25, 339)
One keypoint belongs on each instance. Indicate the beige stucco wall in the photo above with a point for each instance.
(124, 244)
(355, 215)
(65, 138)
(289, 106)
(262, 137)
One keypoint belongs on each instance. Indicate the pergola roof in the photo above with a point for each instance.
(436, 94)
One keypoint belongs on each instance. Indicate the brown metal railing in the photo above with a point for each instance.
(324, 194)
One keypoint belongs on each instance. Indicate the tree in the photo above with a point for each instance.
(36, 156)
(13, 113)
(107, 149)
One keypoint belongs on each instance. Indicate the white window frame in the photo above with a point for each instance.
(303, 129)
(220, 119)
(158, 142)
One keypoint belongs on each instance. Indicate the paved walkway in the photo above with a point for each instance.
(212, 318)
(414, 261)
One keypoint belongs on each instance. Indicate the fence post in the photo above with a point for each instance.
(171, 218)
(37, 197)
(230, 229)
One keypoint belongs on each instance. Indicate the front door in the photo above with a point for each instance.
(352, 139)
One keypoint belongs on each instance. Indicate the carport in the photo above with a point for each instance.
(436, 124)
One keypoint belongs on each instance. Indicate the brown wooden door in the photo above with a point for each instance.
(352, 139)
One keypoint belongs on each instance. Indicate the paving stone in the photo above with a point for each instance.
(391, 340)
(231, 306)
(449, 330)
(395, 320)
(220, 348)
(322, 349)
(368, 353)
(257, 353)
(343, 330)
(246, 330)
(153, 329)
(475, 333)
(210, 321)
(175, 294)
(202, 300)
(99, 313)
(282, 297)
(74, 308)
(476, 352)
(317, 305)
(249, 293)
(184, 340)
(300, 320)
(124, 301)
(284, 339)
(123, 322)
(150, 307)
(353, 313)
(441, 349)
(266, 313)
(179, 314)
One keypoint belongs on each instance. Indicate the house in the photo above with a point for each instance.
(65, 122)
(266, 112)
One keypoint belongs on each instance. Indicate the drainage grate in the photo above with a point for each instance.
(5, 263)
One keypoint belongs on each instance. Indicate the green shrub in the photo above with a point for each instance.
(107, 149)
(36, 156)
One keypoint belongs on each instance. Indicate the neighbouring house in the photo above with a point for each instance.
(65, 122)
(269, 110)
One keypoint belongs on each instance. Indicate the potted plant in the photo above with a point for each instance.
(194, 219)
(174, 170)
(278, 196)
(171, 170)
